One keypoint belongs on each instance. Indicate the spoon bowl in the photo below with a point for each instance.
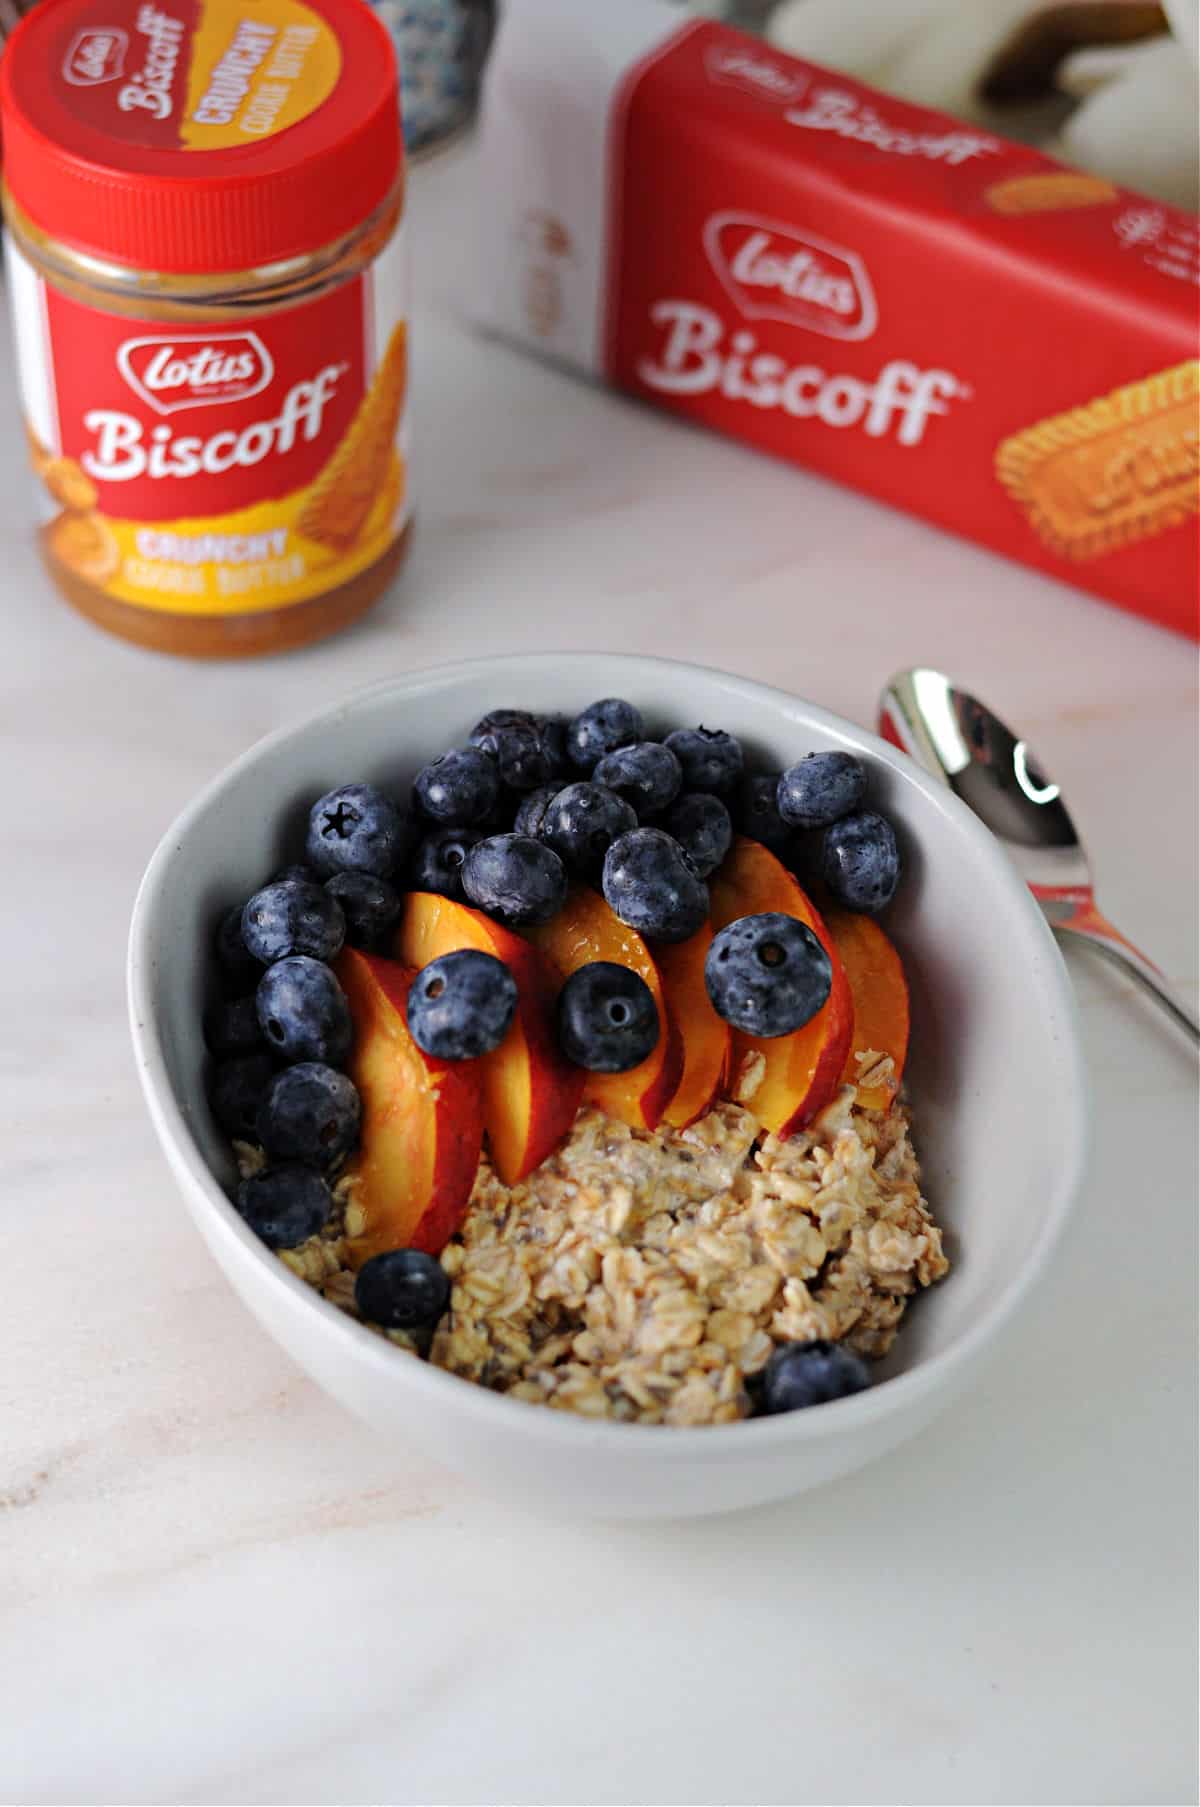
(960, 740)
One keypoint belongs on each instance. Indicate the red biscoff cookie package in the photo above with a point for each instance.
(942, 319)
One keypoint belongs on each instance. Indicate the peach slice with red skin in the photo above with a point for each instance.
(530, 1091)
(802, 1071)
(585, 929)
(880, 993)
(705, 1035)
(422, 1125)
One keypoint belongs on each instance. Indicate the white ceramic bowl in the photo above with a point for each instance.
(996, 1078)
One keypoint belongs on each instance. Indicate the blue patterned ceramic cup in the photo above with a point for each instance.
(441, 45)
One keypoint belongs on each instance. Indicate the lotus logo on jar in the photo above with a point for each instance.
(194, 370)
(96, 55)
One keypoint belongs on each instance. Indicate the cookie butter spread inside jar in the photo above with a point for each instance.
(205, 264)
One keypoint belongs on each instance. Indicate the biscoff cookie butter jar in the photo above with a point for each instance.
(205, 269)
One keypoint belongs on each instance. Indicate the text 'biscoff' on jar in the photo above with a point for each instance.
(206, 270)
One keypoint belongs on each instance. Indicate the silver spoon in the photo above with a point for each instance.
(959, 740)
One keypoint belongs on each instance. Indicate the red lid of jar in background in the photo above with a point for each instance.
(199, 135)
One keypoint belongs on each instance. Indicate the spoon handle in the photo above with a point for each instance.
(1081, 919)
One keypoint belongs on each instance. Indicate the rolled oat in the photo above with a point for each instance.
(647, 1275)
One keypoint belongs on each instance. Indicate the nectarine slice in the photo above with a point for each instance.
(530, 1091)
(422, 1126)
(585, 929)
(801, 1071)
(705, 1035)
(880, 993)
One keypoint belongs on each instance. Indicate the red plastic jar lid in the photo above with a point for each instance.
(199, 135)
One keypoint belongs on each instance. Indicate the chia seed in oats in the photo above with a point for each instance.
(647, 1275)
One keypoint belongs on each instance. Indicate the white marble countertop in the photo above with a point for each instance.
(215, 1587)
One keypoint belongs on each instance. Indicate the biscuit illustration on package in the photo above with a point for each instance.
(85, 544)
(341, 499)
(69, 484)
(387, 500)
(1049, 191)
(1121, 468)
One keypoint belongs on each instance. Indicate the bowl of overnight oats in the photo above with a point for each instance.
(639, 1089)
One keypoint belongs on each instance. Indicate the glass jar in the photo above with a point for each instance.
(205, 256)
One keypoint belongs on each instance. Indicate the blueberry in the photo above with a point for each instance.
(582, 822)
(531, 813)
(303, 1011)
(802, 1374)
(498, 721)
(234, 958)
(861, 862)
(308, 874)
(515, 878)
(460, 787)
(522, 758)
(309, 1113)
(650, 883)
(236, 1089)
(402, 1289)
(756, 809)
(526, 748)
(231, 1026)
(370, 905)
(821, 788)
(285, 1205)
(553, 730)
(461, 1005)
(293, 917)
(647, 775)
(710, 759)
(607, 1018)
(700, 823)
(768, 974)
(356, 828)
(601, 728)
(437, 865)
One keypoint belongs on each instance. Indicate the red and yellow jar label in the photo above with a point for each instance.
(218, 472)
(196, 76)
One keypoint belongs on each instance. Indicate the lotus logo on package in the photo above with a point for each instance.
(195, 370)
(774, 272)
(96, 55)
(742, 66)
